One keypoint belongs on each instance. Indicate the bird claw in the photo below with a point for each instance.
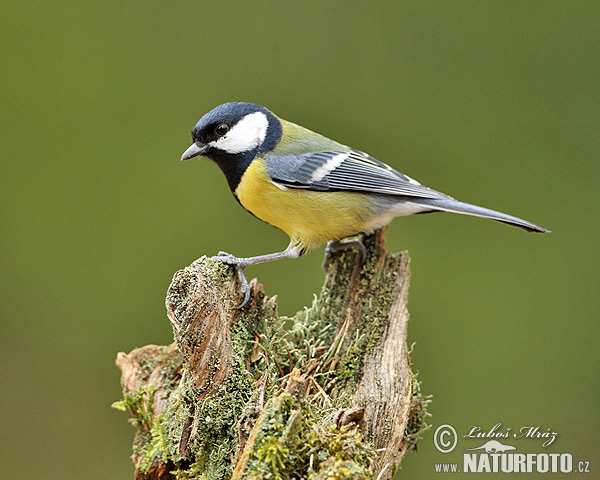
(228, 258)
(245, 288)
(239, 265)
(334, 246)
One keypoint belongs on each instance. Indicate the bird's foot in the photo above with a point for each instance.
(240, 264)
(334, 246)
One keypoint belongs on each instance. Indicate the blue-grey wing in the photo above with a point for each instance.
(344, 170)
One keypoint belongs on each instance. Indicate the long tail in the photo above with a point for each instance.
(454, 206)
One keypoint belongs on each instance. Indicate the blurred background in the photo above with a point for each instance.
(495, 103)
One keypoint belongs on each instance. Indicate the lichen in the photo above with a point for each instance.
(294, 440)
(150, 441)
(373, 319)
(417, 417)
(292, 444)
(334, 469)
(213, 424)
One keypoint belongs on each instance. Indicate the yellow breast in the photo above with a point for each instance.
(310, 218)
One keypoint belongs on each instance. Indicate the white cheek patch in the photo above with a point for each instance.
(328, 166)
(245, 135)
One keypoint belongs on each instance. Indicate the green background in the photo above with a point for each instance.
(495, 103)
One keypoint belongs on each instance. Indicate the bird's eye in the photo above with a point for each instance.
(222, 129)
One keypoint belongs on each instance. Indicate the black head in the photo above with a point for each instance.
(232, 135)
(235, 128)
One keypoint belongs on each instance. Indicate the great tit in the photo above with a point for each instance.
(314, 189)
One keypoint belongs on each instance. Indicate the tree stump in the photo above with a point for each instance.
(328, 393)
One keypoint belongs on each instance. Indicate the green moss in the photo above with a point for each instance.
(155, 448)
(335, 469)
(140, 405)
(276, 438)
(193, 472)
(150, 441)
(212, 422)
(374, 317)
(344, 444)
(292, 441)
(291, 444)
(418, 414)
(349, 368)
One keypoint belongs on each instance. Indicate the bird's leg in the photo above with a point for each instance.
(241, 263)
(334, 246)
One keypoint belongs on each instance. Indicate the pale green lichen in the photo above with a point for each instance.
(213, 423)
(417, 418)
(374, 317)
(150, 441)
(292, 442)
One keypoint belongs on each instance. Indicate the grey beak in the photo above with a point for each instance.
(194, 151)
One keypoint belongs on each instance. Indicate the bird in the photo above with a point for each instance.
(313, 188)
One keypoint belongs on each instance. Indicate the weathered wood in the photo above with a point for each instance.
(385, 385)
(246, 393)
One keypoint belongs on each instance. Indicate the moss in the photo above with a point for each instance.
(418, 414)
(139, 404)
(217, 418)
(155, 448)
(292, 441)
(334, 469)
(374, 317)
(195, 471)
(343, 445)
(291, 444)
(150, 441)
(349, 368)
(212, 422)
(275, 439)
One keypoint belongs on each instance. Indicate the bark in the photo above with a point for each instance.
(245, 393)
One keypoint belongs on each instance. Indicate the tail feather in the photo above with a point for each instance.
(454, 206)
